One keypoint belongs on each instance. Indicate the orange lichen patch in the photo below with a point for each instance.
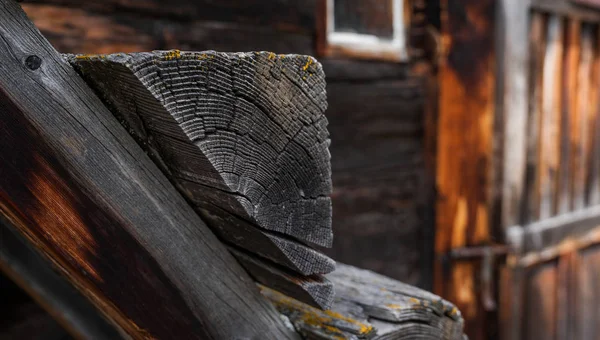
(272, 56)
(171, 55)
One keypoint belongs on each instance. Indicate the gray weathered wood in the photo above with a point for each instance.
(244, 131)
(275, 247)
(371, 306)
(513, 28)
(314, 290)
(72, 171)
(243, 137)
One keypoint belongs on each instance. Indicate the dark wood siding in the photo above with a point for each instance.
(375, 109)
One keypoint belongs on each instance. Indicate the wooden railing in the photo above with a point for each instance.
(549, 104)
(552, 136)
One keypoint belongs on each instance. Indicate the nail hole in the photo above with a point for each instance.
(33, 62)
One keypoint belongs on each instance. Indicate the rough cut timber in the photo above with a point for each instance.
(244, 131)
(84, 194)
(314, 290)
(244, 137)
(372, 306)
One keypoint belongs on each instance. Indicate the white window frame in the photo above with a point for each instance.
(367, 45)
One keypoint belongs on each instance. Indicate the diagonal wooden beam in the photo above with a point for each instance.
(77, 186)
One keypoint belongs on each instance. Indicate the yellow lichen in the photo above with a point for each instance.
(272, 56)
(393, 306)
(174, 54)
(308, 63)
(415, 301)
(85, 56)
(314, 317)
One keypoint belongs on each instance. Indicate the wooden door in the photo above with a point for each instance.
(550, 107)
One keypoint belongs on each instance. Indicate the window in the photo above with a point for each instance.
(373, 29)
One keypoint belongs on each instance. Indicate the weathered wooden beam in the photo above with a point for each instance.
(371, 306)
(244, 131)
(77, 187)
(243, 136)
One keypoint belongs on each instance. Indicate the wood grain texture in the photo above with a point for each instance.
(293, 16)
(592, 181)
(566, 8)
(377, 162)
(464, 161)
(571, 119)
(550, 127)
(78, 30)
(247, 128)
(512, 111)
(588, 294)
(540, 305)
(372, 306)
(585, 115)
(314, 290)
(244, 138)
(77, 186)
(537, 49)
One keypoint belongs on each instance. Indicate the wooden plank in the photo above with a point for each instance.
(75, 30)
(464, 147)
(592, 3)
(293, 15)
(552, 231)
(593, 167)
(540, 305)
(588, 295)
(313, 290)
(586, 113)
(566, 282)
(571, 117)
(537, 49)
(549, 161)
(511, 301)
(566, 8)
(372, 306)
(352, 70)
(76, 185)
(38, 277)
(552, 252)
(512, 112)
(377, 173)
(274, 247)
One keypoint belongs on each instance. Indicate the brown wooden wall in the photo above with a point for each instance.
(382, 196)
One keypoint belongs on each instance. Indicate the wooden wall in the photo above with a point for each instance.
(381, 200)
